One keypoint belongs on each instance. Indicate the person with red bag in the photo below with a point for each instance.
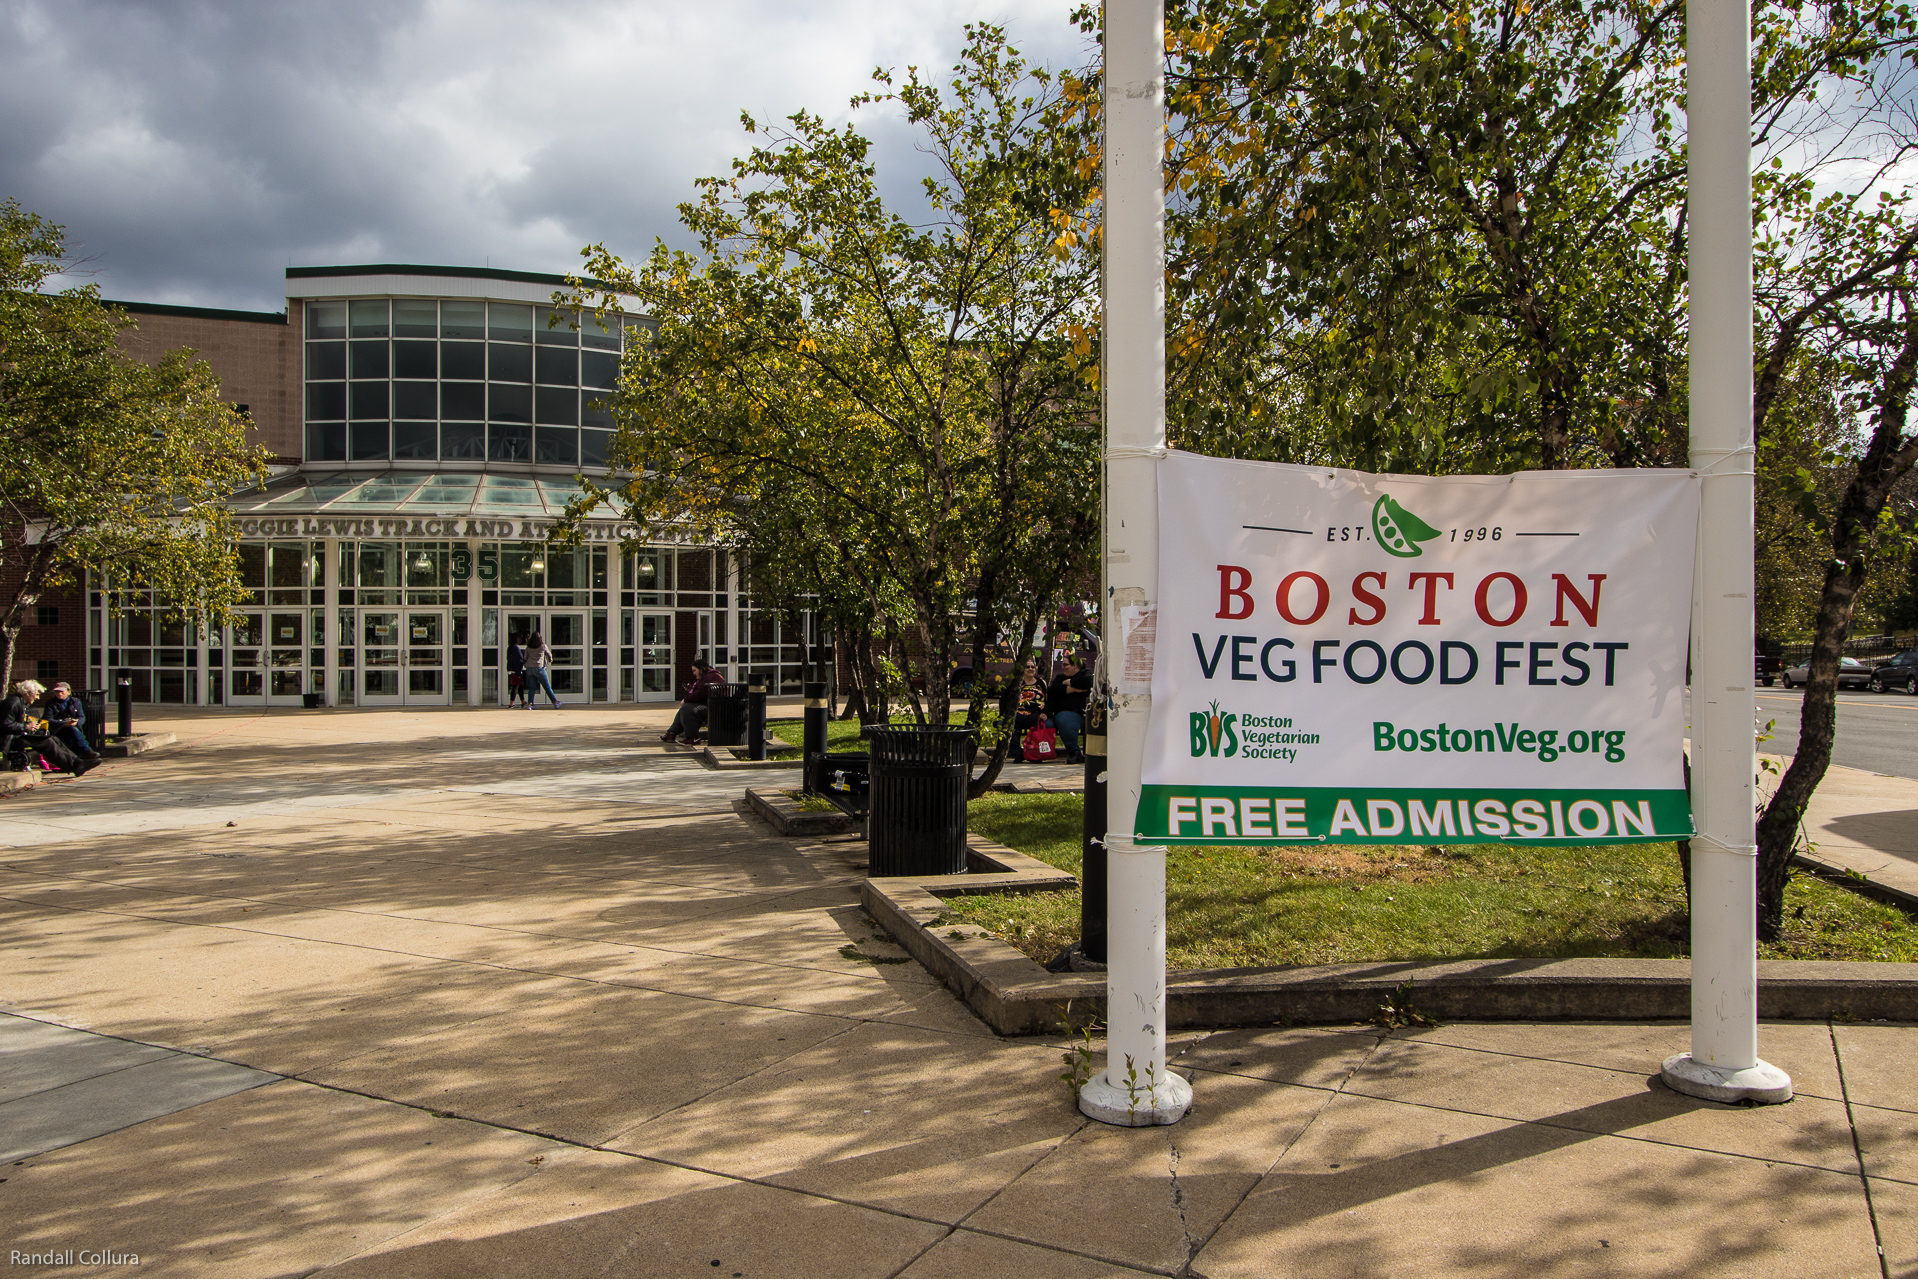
(1029, 716)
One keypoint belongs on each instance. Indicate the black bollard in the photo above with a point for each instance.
(1092, 867)
(756, 719)
(123, 691)
(814, 741)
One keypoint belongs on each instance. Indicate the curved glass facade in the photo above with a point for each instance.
(458, 379)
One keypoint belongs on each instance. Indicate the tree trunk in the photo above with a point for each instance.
(1887, 459)
(1008, 703)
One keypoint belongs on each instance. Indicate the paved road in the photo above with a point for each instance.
(1875, 733)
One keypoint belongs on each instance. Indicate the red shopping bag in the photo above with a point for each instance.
(1041, 744)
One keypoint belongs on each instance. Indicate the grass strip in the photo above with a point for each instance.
(1248, 907)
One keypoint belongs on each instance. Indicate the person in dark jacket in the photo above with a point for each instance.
(517, 693)
(1066, 705)
(16, 733)
(693, 711)
(1029, 711)
(67, 720)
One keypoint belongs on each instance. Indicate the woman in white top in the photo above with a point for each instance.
(538, 659)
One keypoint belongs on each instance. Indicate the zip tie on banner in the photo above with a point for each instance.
(1713, 845)
(1114, 452)
(1744, 452)
(1117, 843)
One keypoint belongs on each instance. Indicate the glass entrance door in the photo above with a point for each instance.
(379, 656)
(655, 658)
(427, 678)
(404, 655)
(246, 659)
(565, 635)
(286, 660)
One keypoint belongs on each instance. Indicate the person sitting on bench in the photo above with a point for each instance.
(693, 711)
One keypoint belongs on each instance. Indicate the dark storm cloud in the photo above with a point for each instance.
(194, 150)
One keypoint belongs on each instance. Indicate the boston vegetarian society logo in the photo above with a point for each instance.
(1397, 529)
(1214, 734)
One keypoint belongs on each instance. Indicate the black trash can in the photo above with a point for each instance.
(917, 822)
(95, 701)
(726, 715)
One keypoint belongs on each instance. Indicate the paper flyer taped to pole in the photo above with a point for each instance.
(1384, 659)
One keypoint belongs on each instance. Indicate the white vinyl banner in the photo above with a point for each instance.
(1387, 659)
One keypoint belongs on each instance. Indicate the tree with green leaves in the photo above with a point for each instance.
(106, 464)
(914, 390)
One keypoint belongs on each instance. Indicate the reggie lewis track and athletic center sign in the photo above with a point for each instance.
(1355, 658)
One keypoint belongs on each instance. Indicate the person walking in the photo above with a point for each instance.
(517, 693)
(539, 659)
(67, 721)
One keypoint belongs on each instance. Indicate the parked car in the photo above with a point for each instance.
(1765, 669)
(1900, 672)
(1852, 673)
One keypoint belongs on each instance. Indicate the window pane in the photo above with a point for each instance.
(560, 332)
(463, 360)
(415, 399)
(463, 441)
(369, 319)
(603, 334)
(509, 403)
(557, 444)
(369, 359)
(416, 359)
(507, 322)
(369, 440)
(326, 319)
(510, 443)
(416, 318)
(596, 411)
(415, 439)
(599, 370)
(594, 446)
(325, 400)
(325, 360)
(506, 363)
(288, 566)
(326, 442)
(558, 367)
(463, 400)
(462, 319)
(369, 400)
(557, 406)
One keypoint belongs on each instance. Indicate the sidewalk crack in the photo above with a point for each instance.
(1858, 1151)
(1191, 1245)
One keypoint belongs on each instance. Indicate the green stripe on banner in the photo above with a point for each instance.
(1359, 815)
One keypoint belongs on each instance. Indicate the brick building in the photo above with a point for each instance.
(427, 426)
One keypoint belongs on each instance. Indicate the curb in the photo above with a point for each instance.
(788, 818)
(138, 744)
(1856, 882)
(1015, 996)
(712, 758)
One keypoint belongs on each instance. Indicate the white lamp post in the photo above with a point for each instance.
(1723, 1064)
(1135, 1090)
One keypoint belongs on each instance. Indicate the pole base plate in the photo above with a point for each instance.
(1122, 1107)
(1760, 1082)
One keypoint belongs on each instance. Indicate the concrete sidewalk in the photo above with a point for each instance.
(527, 995)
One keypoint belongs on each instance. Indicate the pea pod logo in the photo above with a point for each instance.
(1210, 729)
(1397, 529)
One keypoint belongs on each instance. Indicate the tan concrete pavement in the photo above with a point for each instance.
(537, 997)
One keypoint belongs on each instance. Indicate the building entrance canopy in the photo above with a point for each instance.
(389, 503)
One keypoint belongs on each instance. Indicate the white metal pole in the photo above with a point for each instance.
(1723, 1064)
(1135, 1089)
